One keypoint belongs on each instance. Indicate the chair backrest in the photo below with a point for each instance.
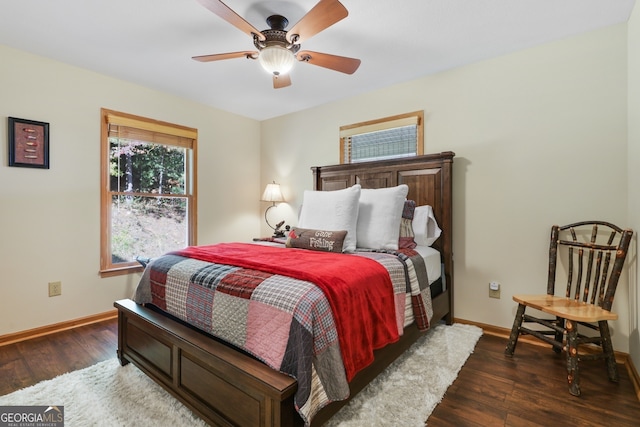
(595, 255)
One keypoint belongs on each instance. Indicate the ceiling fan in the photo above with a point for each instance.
(278, 48)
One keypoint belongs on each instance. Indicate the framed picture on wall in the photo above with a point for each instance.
(28, 143)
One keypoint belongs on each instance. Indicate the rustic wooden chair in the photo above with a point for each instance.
(587, 247)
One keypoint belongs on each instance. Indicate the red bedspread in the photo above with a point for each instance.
(359, 291)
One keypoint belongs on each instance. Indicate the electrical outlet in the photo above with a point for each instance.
(494, 290)
(55, 289)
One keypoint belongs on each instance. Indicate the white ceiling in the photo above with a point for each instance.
(151, 42)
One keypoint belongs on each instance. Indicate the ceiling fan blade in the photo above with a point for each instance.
(226, 13)
(283, 80)
(220, 56)
(333, 62)
(323, 15)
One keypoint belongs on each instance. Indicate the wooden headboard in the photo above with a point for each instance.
(429, 181)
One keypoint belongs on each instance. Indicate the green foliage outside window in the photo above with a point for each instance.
(143, 222)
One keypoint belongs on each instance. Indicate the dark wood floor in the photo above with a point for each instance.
(491, 389)
(29, 362)
(530, 390)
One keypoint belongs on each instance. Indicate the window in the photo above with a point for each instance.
(388, 138)
(148, 190)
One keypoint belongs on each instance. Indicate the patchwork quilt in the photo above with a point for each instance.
(315, 316)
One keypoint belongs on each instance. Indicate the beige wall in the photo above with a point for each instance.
(634, 175)
(540, 137)
(50, 219)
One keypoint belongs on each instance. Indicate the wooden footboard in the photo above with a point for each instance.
(220, 384)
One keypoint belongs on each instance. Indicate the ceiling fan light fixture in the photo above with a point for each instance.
(276, 59)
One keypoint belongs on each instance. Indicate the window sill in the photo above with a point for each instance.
(120, 271)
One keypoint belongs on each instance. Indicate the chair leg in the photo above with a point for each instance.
(559, 335)
(515, 331)
(607, 348)
(573, 374)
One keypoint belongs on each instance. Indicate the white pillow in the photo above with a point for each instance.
(425, 227)
(379, 217)
(332, 211)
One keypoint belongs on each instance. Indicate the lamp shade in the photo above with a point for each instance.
(272, 193)
(276, 59)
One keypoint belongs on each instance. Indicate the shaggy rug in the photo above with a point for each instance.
(109, 395)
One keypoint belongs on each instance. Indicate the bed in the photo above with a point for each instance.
(227, 385)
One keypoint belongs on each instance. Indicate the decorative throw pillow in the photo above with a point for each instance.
(316, 240)
(332, 210)
(379, 217)
(425, 226)
(406, 240)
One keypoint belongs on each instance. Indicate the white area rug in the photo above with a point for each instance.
(109, 395)
(408, 391)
